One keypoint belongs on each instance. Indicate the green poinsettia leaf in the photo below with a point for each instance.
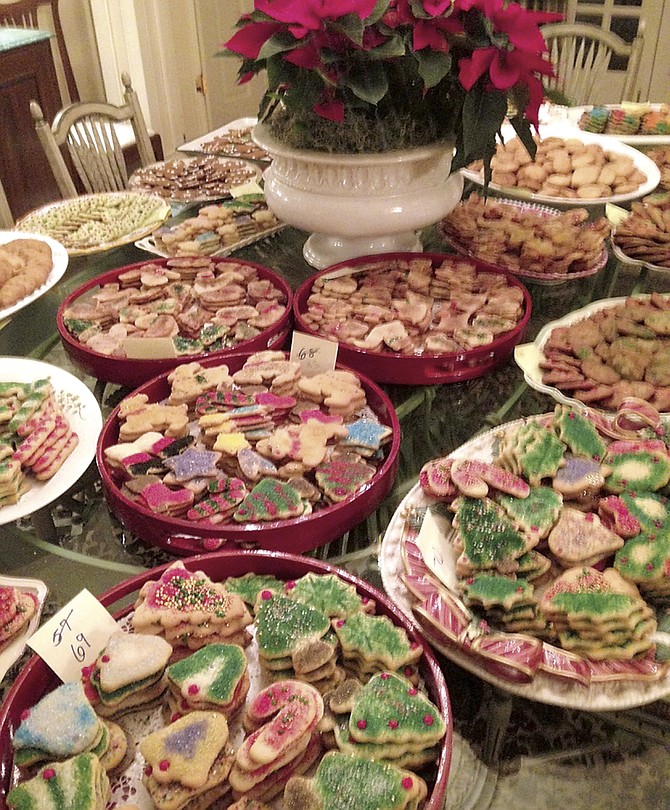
(278, 43)
(369, 84)
(522, 129)
(392, 47)
(483, 114)
(381, 7)
(433, 66)
(352, 27)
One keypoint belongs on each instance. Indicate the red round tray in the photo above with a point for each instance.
(295, 535)
(36, 679)
(134, 372)
(421, 369)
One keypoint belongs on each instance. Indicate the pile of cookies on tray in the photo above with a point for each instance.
(416, 305)
(566, 168)
(520, 238)
(644, 235)
(564, 535)
(200, 304)
(17, 608)
(217, 228)
(35, 437)
(25, 265)
(264, 443)
(185, 709)
(615, 352)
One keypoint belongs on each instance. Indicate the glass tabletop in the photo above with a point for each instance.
(509, 751)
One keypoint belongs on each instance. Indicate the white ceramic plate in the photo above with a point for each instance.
(528, 356)
(197, 144)
(83, 413)
(575, 113)
(13, 650)
(544, 687)
(47, 219)
(641, 161)
(60, 260)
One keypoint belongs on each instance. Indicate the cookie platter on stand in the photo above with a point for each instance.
(570, 617)
(248, 452)
(264, 584)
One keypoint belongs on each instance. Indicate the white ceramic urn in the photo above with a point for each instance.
(356, 205)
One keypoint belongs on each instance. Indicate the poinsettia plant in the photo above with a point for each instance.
(375, 75)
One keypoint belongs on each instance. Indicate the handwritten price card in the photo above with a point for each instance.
(315, 355)
(73, 637)
(436, 550)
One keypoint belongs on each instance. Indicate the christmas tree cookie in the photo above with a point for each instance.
(79, 783)
(344, 781)
(374, 643)
(328, 594)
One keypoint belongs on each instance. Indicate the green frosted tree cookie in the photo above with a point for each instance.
(248, 586)
(79, 783)
(376, 638)
(578, 433)
(489, 538)
(282, 624)
(328, 594)
(347, 782)
(535, 514)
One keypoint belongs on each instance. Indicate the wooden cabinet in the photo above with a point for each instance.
(26, 72)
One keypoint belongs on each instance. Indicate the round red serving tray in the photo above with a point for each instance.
(426, 368)
(36, 679)
(296, 535)
(127, 372)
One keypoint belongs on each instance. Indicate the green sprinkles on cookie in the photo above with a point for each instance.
(210, 674)
(487, 534)
(490, 591)
(249, 586)
(537, 513)
(376, 638)
(579, 433)
(638, 471)
(326, 593)
(282, 623)
(389, 709)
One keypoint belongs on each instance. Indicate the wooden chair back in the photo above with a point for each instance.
(87, 130)
(43, 14)
(6, 218)
(581, 55)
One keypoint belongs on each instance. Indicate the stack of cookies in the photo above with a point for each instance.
(509, 604)
(214, 678)
(188, 762)
(128, 674)
(294, 641)
(82, 776)
(63, 725)
(388, 719)
(190, 611)
(282, 742)
(16, 610)
(598, 614)
(372, 644)
(35, 437)
(345, 780)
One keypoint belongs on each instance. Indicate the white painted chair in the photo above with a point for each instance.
(581, 55)
(89, 130)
